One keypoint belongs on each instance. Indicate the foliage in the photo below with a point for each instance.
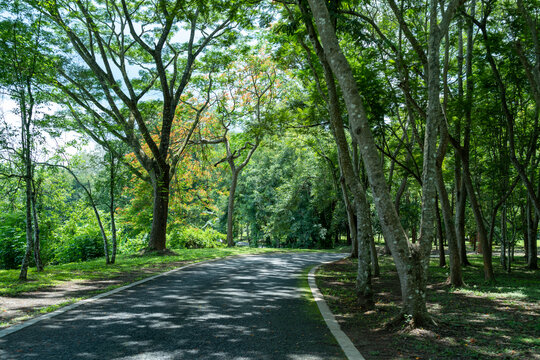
(189, 237)
(78, 239)
(12, 240)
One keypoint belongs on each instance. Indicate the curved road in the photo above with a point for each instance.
(239, 308)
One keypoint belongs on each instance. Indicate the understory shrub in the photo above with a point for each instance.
(80, 248)
(12, 240)
(132, 244)
(78, 239)
(194, 238)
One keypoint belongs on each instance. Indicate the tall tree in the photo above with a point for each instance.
(23, 64)
(130, 54)
(411, 259)
(248, 100)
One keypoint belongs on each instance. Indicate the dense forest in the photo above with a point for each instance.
(145, 126)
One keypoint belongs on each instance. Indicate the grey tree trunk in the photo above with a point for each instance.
(350, 171)
(23, 275)
(230, 208)
(411, 260)
(351, 218)
(442, 257)
(376, 269)
(504, 238)
(532, 226)
(37, 243)
(112, 210)
(27, 161)
(525, 228)
(456, 277)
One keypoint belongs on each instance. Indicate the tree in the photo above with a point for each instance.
(23, 64)
(411, 259)
(249, 101)
(130, 54)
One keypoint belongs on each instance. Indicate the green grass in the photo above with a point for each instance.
(10, 284)
(498, 320)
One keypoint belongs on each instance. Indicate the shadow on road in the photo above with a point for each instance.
(241, 308)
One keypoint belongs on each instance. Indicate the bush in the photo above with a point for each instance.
(78, 239)
(80, 248)
(194, 238)
(132, 244)
(12, 240)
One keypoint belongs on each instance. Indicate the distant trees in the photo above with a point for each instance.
(248, 101)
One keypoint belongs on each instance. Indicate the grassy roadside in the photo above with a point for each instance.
(140, 266)
(480, 321)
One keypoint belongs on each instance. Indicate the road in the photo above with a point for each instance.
(239, 308)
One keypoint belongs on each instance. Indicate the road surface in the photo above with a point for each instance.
(240, 308)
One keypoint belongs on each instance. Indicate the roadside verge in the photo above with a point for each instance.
(343, 340)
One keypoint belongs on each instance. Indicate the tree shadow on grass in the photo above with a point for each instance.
(500, 321)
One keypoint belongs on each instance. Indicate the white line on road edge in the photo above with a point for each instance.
(14, 328)
(343, 340)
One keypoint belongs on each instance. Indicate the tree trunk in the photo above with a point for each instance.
(26, 148)
(37, 249)
(103, 235)
(525, 230)
(504, 240)
(230, 208)
(374, 258)
(411, 261)
(456, 277)
(349, 171)
(158, 233)
(532, 226)
(351, 219)
(442, 257)
(23, 275)
(484, 244)
(460, 223)
(112, 210)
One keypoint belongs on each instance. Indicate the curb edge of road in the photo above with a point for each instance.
(343, 340)
(14, 328)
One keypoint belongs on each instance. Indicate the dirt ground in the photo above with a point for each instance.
(467, 326)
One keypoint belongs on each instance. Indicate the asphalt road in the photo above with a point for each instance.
(239, 308)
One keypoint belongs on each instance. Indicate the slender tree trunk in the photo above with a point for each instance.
(411, 260)
(467, 104)
(442, 257)
(460, 223)
(504, 239)
(456, 277)
(532, 222)
(26, 144)
(112, 209)
(525, 230)
(37, 249)
(349, 170)
(29, 232)
(351, 218)
(374, 258)
(230, 208)
(482, 235)
(160, 187)
(103, 235)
